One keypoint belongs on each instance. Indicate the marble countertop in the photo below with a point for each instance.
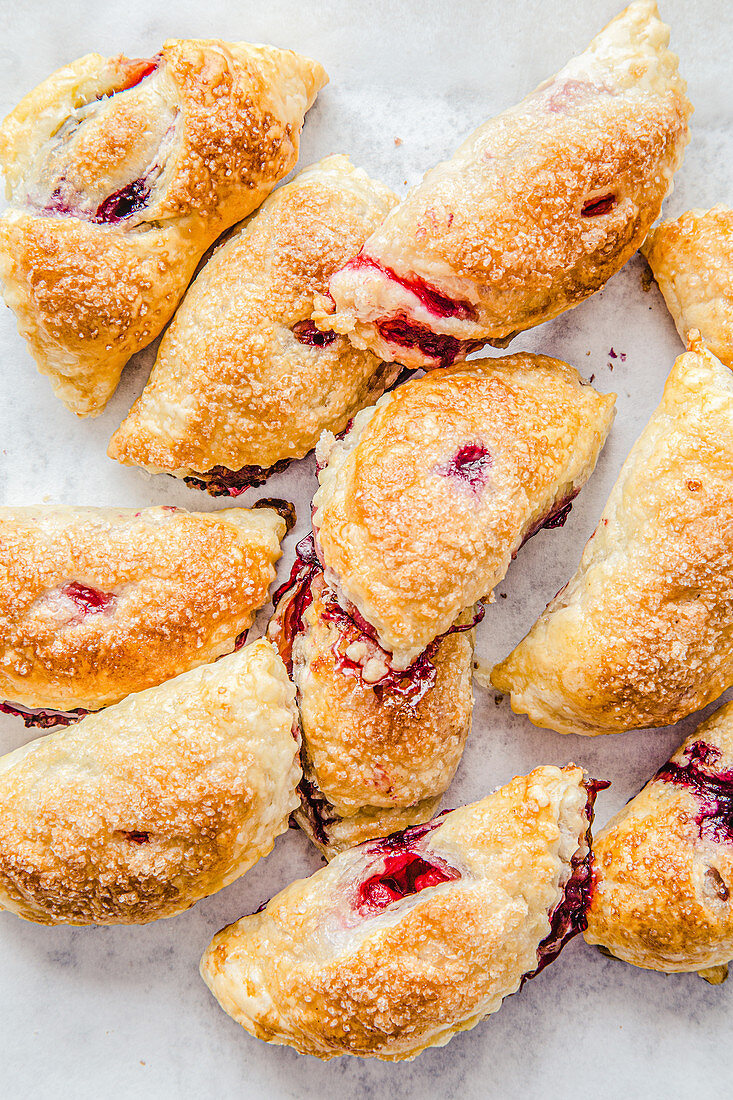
(122, 1012)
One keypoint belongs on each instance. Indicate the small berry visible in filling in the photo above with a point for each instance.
(122, 203)
(439, 304)
(90, 601)
(713, 790)
(405, 871)
(307, 333)
(603, 205)
(471, 465)
(445, 350)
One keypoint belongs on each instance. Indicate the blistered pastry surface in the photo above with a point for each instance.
(175, 589)
(138, 812)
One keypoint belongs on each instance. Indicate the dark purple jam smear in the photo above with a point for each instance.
(44, 718)
(602, 205)
(136, 837)
(90, 601)
(439, 304)
(306, 332)
(444, 350)
(556, 518)
(569, 917)
(405, 871)
(471, 465)
(713, 789)
(121, 204)
(220, 481)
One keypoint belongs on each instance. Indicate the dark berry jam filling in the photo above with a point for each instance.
(444, 350)
(44, 718)
(90, 601)
(220, 481)
(569, 917)
(471, 465)
(713, 789)
(437, 303)
(603, 205)
(557, 517)
(405, 870)
(307, 333)
(121, 204)
(135, 837)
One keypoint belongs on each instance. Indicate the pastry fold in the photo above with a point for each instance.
(401, 943)
(428, 496)
(96, 603)
(664, 864)
(692, 261)
(642, 635)
(532, 214)
(120, 174)
(244, 381)
(379, 748)
(141, 811)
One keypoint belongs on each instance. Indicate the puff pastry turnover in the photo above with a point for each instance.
(643, 633)
(120, 173)
(96, 603)
(244, 381)
(692, 261)
(423, 503)
(664, 865)
(531, 215)
(140, 812)
(379, 747)
(400, 943)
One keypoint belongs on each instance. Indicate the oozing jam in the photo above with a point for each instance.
(295, 596)
(135, 837)
(43, 718)
(602, 205)
(119, 205)
(90, 601)
(713, 789)
(445, 350)
(307, 333)
(569, 917)
(439, 304)
(405, 871)
(220, 481)
(556, 518)
(470, 465)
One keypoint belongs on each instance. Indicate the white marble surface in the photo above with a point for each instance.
(122, 1012)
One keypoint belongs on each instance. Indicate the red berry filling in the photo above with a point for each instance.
(220, 481)
(135, 837)
(713, 790)
(470, 464)
(307, 333)
(90, 601)
(439, 304)
(119, 205)
(444, 350)
(405, 871)
(602, 205)
(44, 718)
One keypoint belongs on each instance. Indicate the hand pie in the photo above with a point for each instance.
(244, 381)
(401, 943)
(531, 215)
(643, 633)
(423, 503)
(120, 174)
(692, 261)
(378, 748)
(169, 796)
(664, 864)
(98, 602)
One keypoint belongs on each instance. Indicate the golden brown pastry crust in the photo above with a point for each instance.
(233, 385)
(183, 587)
(205, 135)
(374, 760)
(412, 534)
(663, 897)
(692, 261)
(140, 812)
(312, 972)
(533, 213)
(642, 635)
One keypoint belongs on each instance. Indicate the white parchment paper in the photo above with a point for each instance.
(122, 1012)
